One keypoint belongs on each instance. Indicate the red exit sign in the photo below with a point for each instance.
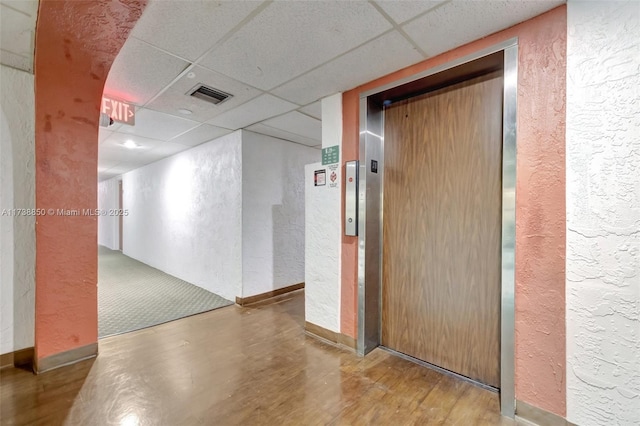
(120, 111)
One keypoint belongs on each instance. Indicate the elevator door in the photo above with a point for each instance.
(442, 227)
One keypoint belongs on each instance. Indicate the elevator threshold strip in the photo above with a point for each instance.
(440, 369)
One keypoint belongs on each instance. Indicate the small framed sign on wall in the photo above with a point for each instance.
(320, 177)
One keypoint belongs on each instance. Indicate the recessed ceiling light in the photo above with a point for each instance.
(185, 111)
(130, 144)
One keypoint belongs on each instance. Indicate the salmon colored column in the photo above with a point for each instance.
(76, 43)
(540, 203)
(349, 269)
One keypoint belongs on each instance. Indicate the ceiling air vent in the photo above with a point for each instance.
(209, 94)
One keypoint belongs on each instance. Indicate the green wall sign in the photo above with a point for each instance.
(331, 155)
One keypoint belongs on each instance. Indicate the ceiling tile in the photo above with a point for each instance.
(291, 37)
(258, 109)
(117, 140)
(17, 30)
(158, 125)
(28, 7)
(461, 21)
(112, 155)
(140, 71)
(123, 167)
(201, 134)
(113, 152)
(352, 69)
(281, 134)
(176, 95)
(109, 156)
(314, 110)
(402, 11)
(103, 134)
(105, 165)
(297, 123)
(166, 149)
(16, 61)
(189, 28)
(106, 175)
(139, 158)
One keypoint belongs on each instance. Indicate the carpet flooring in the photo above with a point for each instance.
(132, 295)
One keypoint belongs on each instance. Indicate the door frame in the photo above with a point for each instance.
(370, 209)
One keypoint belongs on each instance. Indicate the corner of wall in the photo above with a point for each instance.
(109, 225)
(17, 232)
(273, 232)
(323, 215)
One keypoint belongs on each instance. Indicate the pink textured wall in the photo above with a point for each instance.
(349, 270)
(541, 214)
(540, 203)
(76, 43)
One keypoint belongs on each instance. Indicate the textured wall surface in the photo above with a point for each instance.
(541, 213)
(603, 213)
(322, 261)
(540, 202)
(108, 225)
(185, 215)
(76, 43)
(349, 247)
(272, 212)
(17, 190)
(323, 216)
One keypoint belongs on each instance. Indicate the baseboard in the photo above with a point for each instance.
(243, 301)
(18, 358)
(65, 358)
(331, 336)
(538, 416)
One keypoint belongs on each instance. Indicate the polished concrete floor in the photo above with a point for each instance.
(241, 366)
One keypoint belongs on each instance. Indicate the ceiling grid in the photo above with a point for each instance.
(277, 59)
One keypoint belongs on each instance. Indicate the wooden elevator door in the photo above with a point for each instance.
(442, 227)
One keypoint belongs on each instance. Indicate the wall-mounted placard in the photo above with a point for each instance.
(330, 155)
(320, 177)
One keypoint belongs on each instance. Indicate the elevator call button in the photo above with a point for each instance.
(351, 199)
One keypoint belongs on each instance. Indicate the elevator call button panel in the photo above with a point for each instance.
(351, 199)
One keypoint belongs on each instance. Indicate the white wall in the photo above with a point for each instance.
(17, 190)
(185, 215)
(272, 212)
(603, 213)
(324, 229)
(108, 225)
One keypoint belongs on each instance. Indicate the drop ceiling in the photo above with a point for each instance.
(277, 59)
(17, 33)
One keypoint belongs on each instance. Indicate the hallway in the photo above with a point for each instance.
(133, 295)
(246, 366)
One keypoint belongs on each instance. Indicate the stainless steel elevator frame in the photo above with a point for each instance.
(504, 56)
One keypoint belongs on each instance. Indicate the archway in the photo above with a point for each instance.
(76, 43)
